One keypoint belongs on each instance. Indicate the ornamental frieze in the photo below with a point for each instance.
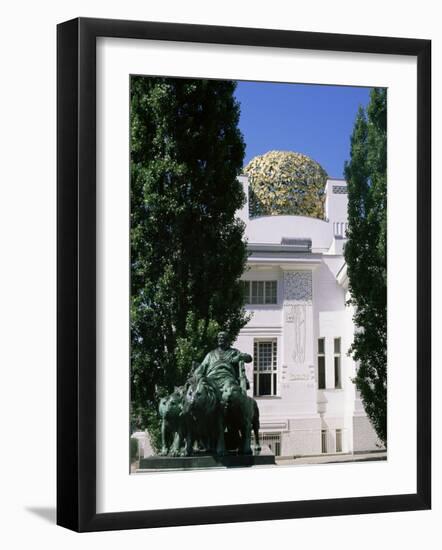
(298, 286)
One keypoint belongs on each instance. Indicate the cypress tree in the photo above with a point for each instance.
(187, 247)
(366, 255)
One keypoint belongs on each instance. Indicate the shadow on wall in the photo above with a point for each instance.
(327, 291)
(46, 513)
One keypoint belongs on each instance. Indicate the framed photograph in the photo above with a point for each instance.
(243, 274)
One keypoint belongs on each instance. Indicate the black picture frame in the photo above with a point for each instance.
(77, 287)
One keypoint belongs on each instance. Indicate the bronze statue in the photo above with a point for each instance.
(241, 416)
(171, 413)
(203, 416)
(212, 410)
(222, 365)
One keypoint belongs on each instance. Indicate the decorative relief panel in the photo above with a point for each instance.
(299, 320)
(340, 189)
(298, 286)
(299, 334)
(289, 314)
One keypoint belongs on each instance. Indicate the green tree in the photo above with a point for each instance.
(187, 247)
(366, 255)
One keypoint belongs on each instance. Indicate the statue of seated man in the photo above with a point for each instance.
(222, 365)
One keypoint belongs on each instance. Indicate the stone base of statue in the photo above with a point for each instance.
(264, 457)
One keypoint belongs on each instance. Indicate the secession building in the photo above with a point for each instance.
(300, 330)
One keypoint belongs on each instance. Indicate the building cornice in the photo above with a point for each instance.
(301, 246)
(285, 256)
(285, 263)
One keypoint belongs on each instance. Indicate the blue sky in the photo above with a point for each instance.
(310, 119)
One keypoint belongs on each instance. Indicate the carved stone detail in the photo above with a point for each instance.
(340, 189)
(298, 286)
(299, 333)
(290, 314)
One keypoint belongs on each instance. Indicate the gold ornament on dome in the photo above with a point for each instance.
(286, 183)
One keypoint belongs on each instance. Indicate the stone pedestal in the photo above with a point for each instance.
(264, 457)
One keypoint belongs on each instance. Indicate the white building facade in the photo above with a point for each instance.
(301, 330)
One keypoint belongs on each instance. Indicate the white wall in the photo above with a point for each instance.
(266, 228)
(336, 206)
(270, 229)
(27, 218)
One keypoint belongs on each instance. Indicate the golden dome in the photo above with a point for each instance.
(285, 183)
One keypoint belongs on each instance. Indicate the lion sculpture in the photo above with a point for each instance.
(172, 425)
(241, 415)
(203, 417)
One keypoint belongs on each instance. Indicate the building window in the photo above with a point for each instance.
(321, 363)
(260, 292)
(339, 441)
(264, 367)
(324, 441)
(337, 362)
(273, 441)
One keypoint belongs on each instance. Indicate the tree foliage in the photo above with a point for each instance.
(187, 248)
(366, 255)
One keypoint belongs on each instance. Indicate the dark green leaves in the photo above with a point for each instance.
(187, 249)
(366, 255)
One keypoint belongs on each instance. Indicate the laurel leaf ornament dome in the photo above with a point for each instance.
(286, 183)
